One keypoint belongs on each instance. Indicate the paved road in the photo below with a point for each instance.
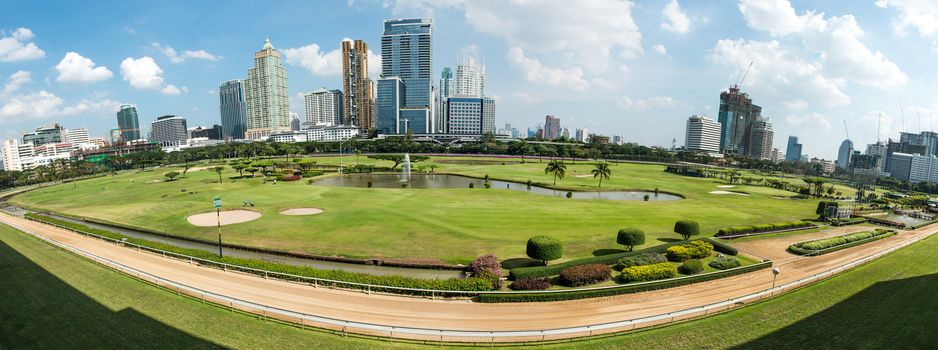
(456, 314)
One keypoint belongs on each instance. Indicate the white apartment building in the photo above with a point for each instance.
(318, 134)
(703, 134)
(323, 107)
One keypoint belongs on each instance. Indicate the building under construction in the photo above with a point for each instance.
(737, 114)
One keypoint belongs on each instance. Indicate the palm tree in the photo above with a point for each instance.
(557, 168)
(601, 171)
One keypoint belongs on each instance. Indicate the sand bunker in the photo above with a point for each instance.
(228, 217)
(729, 192)
(301, 211)
(726, 186)
(583, 175)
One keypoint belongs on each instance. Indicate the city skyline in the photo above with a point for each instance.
(688, 49)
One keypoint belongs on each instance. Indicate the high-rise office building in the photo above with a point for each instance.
(470, 77)
(470, 116)
(213, 133)
(52, 133)
(760, 139)
(736, 116)
(233, 110)
(324, 107)
(793, 151)
(878, 153)
(76, 136)
(265, 94)
(169, 130)
(702, 134)
(406, 100)
(582, 135)
(128, 125)
(357, 105)
(551, 127)
(565, 133)
(295, 123)
(844, 153)
(446, 83)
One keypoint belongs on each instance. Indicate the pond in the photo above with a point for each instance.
(442, 181)
(902, 219)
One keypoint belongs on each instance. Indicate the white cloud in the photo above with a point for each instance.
(919, 14)
(16, 81)
(44, 104)
(675, 19)
(535, 72)
(175, 57)
(312, 59)
(810, 120)
(76, 68)
(644, 104)
(660, 49)
(172, 90)
(19, 46)
(105, 105)
(142, 73)
(526, 98)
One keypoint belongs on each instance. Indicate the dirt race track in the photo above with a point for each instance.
(464, 315)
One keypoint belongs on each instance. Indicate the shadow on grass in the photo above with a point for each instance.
(897, 314)
(40, 311)
(669, 240)
(601, 252)
(520, 262)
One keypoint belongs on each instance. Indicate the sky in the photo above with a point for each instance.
(633, 68)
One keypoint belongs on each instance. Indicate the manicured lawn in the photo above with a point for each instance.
(53, 299)
(451, 225)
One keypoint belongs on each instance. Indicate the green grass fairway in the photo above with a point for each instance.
(53, 299)
(451, 225)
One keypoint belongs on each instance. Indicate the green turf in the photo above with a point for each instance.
(53, 299)
(451, 225)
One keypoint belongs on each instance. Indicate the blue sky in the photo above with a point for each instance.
(637, 68)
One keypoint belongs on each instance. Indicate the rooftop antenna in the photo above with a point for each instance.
(741, 80)
(845, 129)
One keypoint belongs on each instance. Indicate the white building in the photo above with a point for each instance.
(169, 130)
(266, 95)
(14, 152)
(76, 136)
(470, 116)
(582, 135)
(19, 157)
(323, 107)
(703, 134)
(470, 77)
(318, 134)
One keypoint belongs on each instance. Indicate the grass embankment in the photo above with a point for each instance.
(53, 299)
(451, 225)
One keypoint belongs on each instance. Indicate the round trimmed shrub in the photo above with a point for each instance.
(687, 228)
(544, 248)
(630, 237)
(582, 275)
(691, 267)
(472, 185)
(724, 262)
(531, 284)
(569, 194)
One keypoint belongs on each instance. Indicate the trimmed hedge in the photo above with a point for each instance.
(625, 289)
(724, 263)
(693, 250)
(610, 259)
(742, 230)
(640, 259)
(723, 247)
(691, 267)
(544, 248)
(531, 284)
(849, 221)
(453, 284)
(652, 272)
(833, 244)
(583, 275)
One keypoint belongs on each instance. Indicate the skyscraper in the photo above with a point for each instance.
(76, 136)
(702, 134)
(233, 110)
(128, 124)
(470, 77)
(582, 135)
(265, 94)
(446, 83)
(736, 116)
(470, 116)
(406, 98)
(52, 133)
(760, 139)
(324, 107)
(793, 152)
(844, 153)
(359, 93)
(551, 127)
(169, 130)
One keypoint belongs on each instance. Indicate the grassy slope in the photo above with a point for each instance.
(453, 225)
(53, 299)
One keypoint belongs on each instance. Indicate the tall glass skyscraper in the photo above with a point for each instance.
(793, 151)
(128, 124)
(233, 110)
(406, 78)
(265, 94)
(736, 116)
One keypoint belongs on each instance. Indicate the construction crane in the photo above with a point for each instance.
(741, 80)
(845, 129)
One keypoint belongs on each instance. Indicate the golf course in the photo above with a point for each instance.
(452, 225)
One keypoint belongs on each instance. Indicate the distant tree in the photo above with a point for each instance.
(557, 169)
(544, 248)
(251, 170)
(687, 228)
(630, 237)
(240, 166)
(601, 171)
(218, 170)
(170, 176)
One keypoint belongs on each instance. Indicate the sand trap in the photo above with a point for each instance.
(228, 217)
(583, 175)
(729, 192)
(726, 186)
(301, 211)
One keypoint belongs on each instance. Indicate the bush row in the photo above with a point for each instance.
(640, 259)
(583, 275)
(609, 259)
(692, 250)
(652, 272)
(453, 284)
(531, 284)
(848, 221)
(724, 263)
(742, 230)
(625, 289)
(837, 243)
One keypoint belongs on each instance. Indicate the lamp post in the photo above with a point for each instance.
(217, 203)
(775, 272)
